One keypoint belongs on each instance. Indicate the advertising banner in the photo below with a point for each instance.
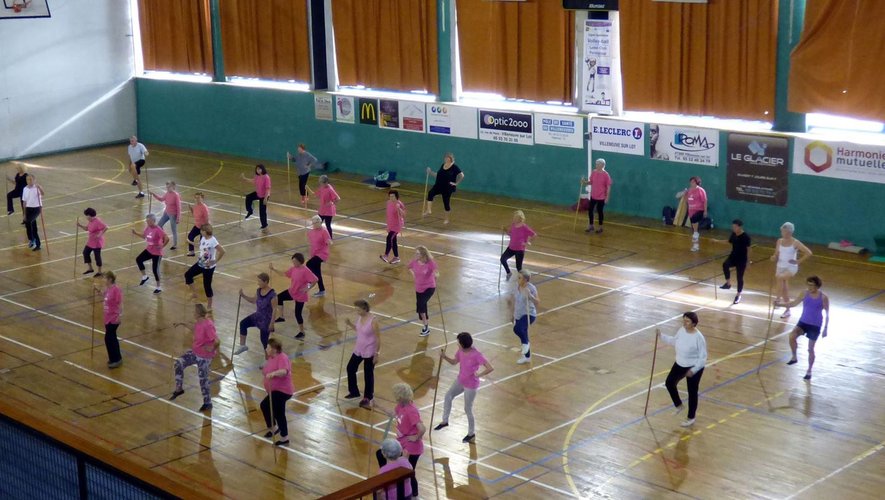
(389, 114)
(501, 126)
(699, 146)
(412, 116)
(757, 168)
(344, 106)
(369, 112)
(597, 85)
(454, 121)
(839, 160)
(616, 136)
(322, 106)
(559, 130)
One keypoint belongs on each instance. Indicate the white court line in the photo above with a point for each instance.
(852, 462)
(22, 344)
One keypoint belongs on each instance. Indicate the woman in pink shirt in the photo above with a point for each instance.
(600, 188)
(424, 270)
(95, 242)
(278, 385)
(391, 453)
(409, 429)
(200, 215)
(328, 198)
(319, 240)
(261, 193)
(155, 239)
(203, 349)
(300, 281)
(172, 211)
(396, 219)
(467, 382)
(520, 236)
(696, 200)
(113, 309)
(365, 351)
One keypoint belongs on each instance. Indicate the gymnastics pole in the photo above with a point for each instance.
(578, 205)
(499, 265)
(770, 320)
(92, 341)
(651, 376)
(76, 245)
(147, 185)
(42, 220)
(439, 367)
(343, 339)
(289, 175)
(715, 288)
(236, 323)
(273, 445)
(424, 200)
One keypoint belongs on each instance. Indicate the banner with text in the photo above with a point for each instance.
(322, 106)
(597, 85)
(501, 126)
(412, 117)
(616, 136)
(344, 107)
(454, 121)
(699, 146)
(839, 160)
(757, 168)
(389, 114)
(559, 130)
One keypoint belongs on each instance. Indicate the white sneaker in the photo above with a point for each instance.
(695, 248)
(523, 360)
(679, 409)
(241, 349)
(425, 331)
(688, 423)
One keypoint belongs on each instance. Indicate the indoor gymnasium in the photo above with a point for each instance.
(455, 249)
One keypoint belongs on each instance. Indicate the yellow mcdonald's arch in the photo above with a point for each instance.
(367, 111)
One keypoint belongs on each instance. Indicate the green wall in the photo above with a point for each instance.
(264, 123)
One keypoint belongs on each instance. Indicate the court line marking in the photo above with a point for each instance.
(858, 458)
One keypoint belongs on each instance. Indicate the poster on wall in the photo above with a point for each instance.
(412, 116)
(389, 114)
(559, 130)
(344, 107)
(501, 126)
(757, 168)
(368, 111)
(454, 121)
(616, 136)
(322, 107)
(839, 160)
(699, 146)
(597, 85)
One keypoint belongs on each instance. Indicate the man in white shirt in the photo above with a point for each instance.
(32, 198)
(137, 155)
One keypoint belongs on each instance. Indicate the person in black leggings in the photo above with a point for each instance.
(447, 179)
(20, 181)
(739, 257)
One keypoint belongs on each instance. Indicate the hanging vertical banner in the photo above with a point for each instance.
(597, 86)
(412, 116)
(757, 168)
(344, 107)
(389, 114)
(322, 107)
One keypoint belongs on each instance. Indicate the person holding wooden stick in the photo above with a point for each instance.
(32, 198)
(524, 302)
(304, 161)
(320, 240)
(261, 179)
(447, 178)
(262, 318)
(211, 253)
(171, 210)
(19, 182)
(301, 279)
(366, 350)
(96, 228)
(137, 156)
(600, 183)
(470, 361)
(278, 385)
(113, 311)
(155, 240)
(200, 215)
(814, 304)
(409, 429)
(203, 350)
(425, 272)
(396, 219)
(520, 236)
(691, 356)
(328, 200)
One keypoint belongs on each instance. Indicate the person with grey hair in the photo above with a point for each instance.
(155, 240)
(328, 198)
(392, 453)
(600, 189)
(304, 161)
(409, 428)
(524, 302)
(788, 253)
(137, 156)
(447, 178)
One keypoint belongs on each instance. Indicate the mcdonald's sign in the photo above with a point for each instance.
(369, 111)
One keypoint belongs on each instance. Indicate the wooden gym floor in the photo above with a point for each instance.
(570, 425)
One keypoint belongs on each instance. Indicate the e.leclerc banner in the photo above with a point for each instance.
(616, 136)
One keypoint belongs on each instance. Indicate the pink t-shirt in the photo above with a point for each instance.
(173, 203)
(366, 344)
(470, 362)
(401, 462)
(281, 384)
(262, 185)
(407, 420)
(153, 237)
(319, 240)
(395, 221)
(600, 181)
(425, 274)
(113, 302)
(519, 236)
(299, 277)
(95, 228)
(696, 198)
(201, 214)
(204, 337)
(327, 197)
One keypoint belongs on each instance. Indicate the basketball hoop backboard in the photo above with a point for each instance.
(24, 9)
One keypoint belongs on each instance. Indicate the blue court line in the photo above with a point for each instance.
(871, 297)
